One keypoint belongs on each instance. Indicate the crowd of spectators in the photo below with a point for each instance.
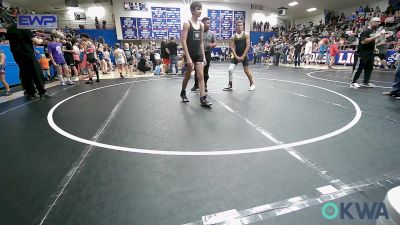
(338, 29)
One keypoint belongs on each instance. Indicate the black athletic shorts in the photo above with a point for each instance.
(90, 58)
(381, 56)
(196, 58)
(69, 60)
(245, 62)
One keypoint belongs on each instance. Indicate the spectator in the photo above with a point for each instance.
(142, 65)
(382, 46)
(322, 50)
(21, 46)
(3, 73)
(96, 23)
(164, 54)
(172, 50)
(120, 59)
(45, 66)
(297, 53)
(308, 50)
(333, 51)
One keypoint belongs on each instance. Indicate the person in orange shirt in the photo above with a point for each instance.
(44, 64)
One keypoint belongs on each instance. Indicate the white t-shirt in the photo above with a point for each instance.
(308, 48)
(106, 55)
(119, 56)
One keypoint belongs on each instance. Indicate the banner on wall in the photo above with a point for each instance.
(144, 28)
(240, 15)
(158, 13)
(159, 28)
(215, 25)
(226, 24)
(159, 22)
(37, 21)
(174, 28)
(174, 22)
(347, 57)
(129, 27)
(135, 6)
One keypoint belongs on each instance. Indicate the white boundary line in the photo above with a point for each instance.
(352, 123)
(386, 82)
(32, 101)
(335, 81)
(80, 160)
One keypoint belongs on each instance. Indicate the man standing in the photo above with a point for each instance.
(164, 54)
(30, 73)
(308, 50)
(240, 45)
(382, 46)
(364, 58)
(278, 52)
(172, 50)
(209, 43)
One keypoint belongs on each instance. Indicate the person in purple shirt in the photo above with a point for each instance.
(57, 59)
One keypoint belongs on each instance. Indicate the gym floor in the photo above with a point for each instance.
(128, 151)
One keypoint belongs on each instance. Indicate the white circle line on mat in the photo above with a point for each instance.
(335, 81)
(348, 126)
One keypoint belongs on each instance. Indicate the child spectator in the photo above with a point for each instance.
(334, 51)
(3, 73)
(157, 70)
(45, 66)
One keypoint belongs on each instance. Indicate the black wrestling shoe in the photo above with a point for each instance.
(46, 96)
(204, 101)
(229, 88)
(90, 81)
(183, 96)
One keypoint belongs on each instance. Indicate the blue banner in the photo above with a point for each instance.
(129, 33)
(174, 22)
(226, 24)
(37, 21)
(129, 27)
(128, 22)
(240, 15)
(174, 28)
(173, 13)
(159, 28)
(158, 12)
(215, 26)
(144, 28)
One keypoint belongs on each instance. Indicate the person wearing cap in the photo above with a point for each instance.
(364, 58)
